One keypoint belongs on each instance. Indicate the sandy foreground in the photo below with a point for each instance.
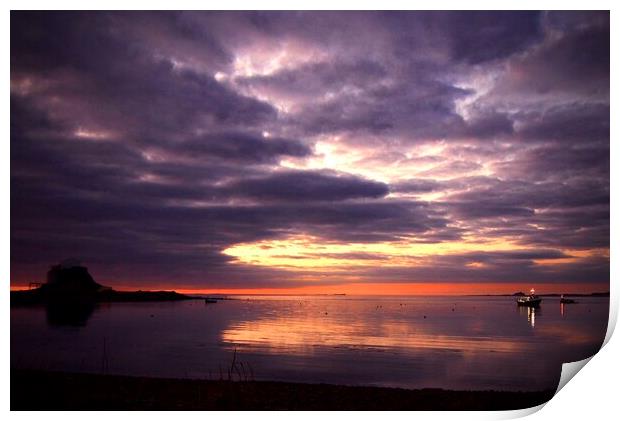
(48, 390)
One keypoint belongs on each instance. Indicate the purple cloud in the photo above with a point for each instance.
(148, 143)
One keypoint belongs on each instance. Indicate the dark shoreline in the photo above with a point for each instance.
(39, 297)
(593, 294)
(49, 390)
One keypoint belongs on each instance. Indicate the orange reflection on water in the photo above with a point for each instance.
(561, 334)
(301, 334)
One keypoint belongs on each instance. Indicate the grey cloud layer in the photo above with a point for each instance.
(130, 151)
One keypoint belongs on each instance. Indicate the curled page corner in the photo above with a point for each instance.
(519, 413)
(614, 301)
(569, 370)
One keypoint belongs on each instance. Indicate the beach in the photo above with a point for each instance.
(48, 390)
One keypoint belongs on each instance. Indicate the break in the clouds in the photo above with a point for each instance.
(268, 149)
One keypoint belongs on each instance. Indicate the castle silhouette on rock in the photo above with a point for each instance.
(71, 279)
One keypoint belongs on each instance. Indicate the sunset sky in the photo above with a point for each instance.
(393, 152)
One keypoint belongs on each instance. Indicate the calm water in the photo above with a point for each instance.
(412, 342)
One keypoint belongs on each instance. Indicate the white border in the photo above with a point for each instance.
(591, 396)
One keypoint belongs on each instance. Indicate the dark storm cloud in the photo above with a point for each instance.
(307, 186)
(569, 123)
(484, 209)
(148, 143)
(400, 90)
(90, 77)
(94, 205)
(572, 215)
(537, 194)
(362, 96)
(121, 231)
(242, 147)
(560, 162)
(421, 107)
(576, 59)
(450, 269)
(479, 36)
(515, 255)
(324, 78)
(419, 185)
(489, 125)
(452, 168)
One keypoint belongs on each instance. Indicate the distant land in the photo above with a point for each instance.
(520, 294)
(231, 296)
(69, 282)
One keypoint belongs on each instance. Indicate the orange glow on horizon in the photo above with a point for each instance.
(425, 288)
(388, 288)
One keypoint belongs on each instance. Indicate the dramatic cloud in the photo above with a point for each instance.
(283, 149)
(307, 186)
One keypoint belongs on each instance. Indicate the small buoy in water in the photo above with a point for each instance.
(452, 309)
(425, 316)
(151, 315)
(325, 312)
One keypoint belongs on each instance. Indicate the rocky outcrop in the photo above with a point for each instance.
(70, 281)
(70, 284)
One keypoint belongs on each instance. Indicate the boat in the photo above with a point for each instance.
(566, 300)
(531, 300)
(210, 300)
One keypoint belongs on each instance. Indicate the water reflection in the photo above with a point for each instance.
(530, 313)
(452, 342)
(69, 312)
(300, 335)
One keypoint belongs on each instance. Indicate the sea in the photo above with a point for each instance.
(448, 342)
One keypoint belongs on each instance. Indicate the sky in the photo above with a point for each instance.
(357, 152)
